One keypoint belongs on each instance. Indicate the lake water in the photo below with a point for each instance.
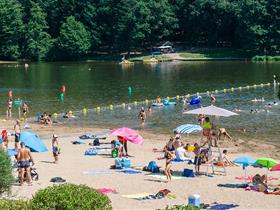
(93, 84)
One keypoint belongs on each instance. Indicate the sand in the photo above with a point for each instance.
(72, 162)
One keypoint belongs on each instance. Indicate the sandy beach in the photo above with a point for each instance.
(72, 162)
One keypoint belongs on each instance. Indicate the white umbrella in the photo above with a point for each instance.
(212, 110)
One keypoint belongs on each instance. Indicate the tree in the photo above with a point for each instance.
(6, 178)
(11, 28)
(74, 39)
(38, 41)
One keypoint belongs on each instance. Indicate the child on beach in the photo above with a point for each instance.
(55, 148)
(5, 141)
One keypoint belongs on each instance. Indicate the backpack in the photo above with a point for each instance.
(153, 167)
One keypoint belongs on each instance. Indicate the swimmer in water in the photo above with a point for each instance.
(213, 99)
(142, 115)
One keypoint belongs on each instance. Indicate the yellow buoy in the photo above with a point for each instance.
(123, 104)
(225, 90)
(135, 103)
(111, 107)
(216, 91)
(207, 92)
(146, 101)
(248, 87)
(240, 88)
(168, 98)
(55, 115)
(84, 110)
(268, 84)
(98, 108)
(188, 95)
(197, 93)
(261, 84)
(232, 89)
(177, 97)
(255, 86)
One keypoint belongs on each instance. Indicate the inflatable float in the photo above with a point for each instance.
(157, 104)
(195, 101)
(258, 100)
(166, 102)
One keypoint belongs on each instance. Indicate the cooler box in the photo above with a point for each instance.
(118, 163)
(188, 173)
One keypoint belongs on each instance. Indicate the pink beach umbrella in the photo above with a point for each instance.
(129, 135)
(276, 168)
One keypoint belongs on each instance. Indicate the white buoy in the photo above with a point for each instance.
(26, 65)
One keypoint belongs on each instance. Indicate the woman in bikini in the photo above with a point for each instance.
(168, 164)
(9, 108)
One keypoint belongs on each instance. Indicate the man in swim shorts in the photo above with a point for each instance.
(24, 158)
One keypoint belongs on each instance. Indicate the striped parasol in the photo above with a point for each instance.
(187, 128)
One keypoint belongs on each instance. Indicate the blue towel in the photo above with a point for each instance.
(223, 206)
(97, 172)
(130, 171)
(102, 148)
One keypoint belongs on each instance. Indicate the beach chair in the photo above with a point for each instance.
(214, 156)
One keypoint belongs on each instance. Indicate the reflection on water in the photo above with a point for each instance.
(92, 84)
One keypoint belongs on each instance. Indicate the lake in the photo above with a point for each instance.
(93, 84)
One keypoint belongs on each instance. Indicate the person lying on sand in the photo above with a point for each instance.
(224, 160)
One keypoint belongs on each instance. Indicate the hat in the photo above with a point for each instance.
(55, 136)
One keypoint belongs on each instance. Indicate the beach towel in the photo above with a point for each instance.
(135, 196)
(163, 177)
(96, 172)
(250, 178)
(222, 206)
(128, 171)
(106, 190)
(77, 142)
(102, 148)
(161, 194)
(234, 185)
(88, 136)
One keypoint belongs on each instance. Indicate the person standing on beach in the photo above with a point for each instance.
(25, 109)
(124, 144)
(55, 148)
(5, 140)
(142, 115)
(9, 108)
(24, 158)
(17, 130)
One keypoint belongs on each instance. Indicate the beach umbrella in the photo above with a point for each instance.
(266, 162)
(187, 128)
(129, 135)
(244, 161)
(275, 168)
(212, 110)
(32, 141)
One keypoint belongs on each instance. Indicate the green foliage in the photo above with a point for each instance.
(70, 197)
(6, 204)
(38, 41)
(265, 58)
(6, 177)
(74, 39)
(11, 27)
(182, 207)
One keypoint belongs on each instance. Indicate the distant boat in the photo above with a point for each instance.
(152, 60)
(126, 62)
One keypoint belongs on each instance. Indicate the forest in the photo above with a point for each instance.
(70, 29)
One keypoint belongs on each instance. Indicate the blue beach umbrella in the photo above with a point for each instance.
(245, 161)
(33, 141)
(188, 128)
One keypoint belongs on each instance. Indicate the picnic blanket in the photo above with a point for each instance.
(147, 196)
(163, 177)
(129, 171)
(250, 178)
(234, 185)
(96, 172)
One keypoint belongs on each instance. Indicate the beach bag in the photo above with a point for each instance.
(96, 142)
(118, 163)
(188, 173)
(125, 163)
(153, 167)
(115, 153)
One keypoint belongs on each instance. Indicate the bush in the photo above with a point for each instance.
(6, 176)
(6, 204)
(70, 197)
